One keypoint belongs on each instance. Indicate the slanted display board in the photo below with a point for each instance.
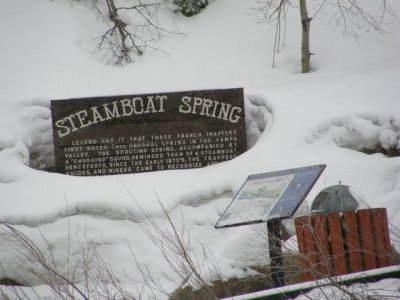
(267, 196)
(149, 132)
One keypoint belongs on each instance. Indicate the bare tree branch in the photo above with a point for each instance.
(350, 15)
(134, 29)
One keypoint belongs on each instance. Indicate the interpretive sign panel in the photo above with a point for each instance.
(152, 132)
(267, 196)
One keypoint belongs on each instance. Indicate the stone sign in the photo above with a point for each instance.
(152, 132)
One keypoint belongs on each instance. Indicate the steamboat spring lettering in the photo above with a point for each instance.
(107, 111)
(210, 108)
(145, 105)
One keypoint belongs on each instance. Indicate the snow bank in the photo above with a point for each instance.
(350, 103)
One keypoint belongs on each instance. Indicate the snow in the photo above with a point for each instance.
(349, 102)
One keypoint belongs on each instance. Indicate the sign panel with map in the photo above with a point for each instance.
(266, 196)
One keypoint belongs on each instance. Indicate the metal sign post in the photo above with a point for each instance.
(275, 252)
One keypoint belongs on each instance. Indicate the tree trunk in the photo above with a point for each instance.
(120, 26)
(305, 41)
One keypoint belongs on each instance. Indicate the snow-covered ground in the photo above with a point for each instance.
(351, 101)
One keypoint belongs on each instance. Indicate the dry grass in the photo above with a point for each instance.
(239, 286)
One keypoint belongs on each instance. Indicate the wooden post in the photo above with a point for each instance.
(322, 245)
(338, 254)
(386, 237)
(302, 225)
(275, 252)
(353, 241)
(367, 243)
(312, 250)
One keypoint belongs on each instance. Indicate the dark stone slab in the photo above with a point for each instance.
(151, 132)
